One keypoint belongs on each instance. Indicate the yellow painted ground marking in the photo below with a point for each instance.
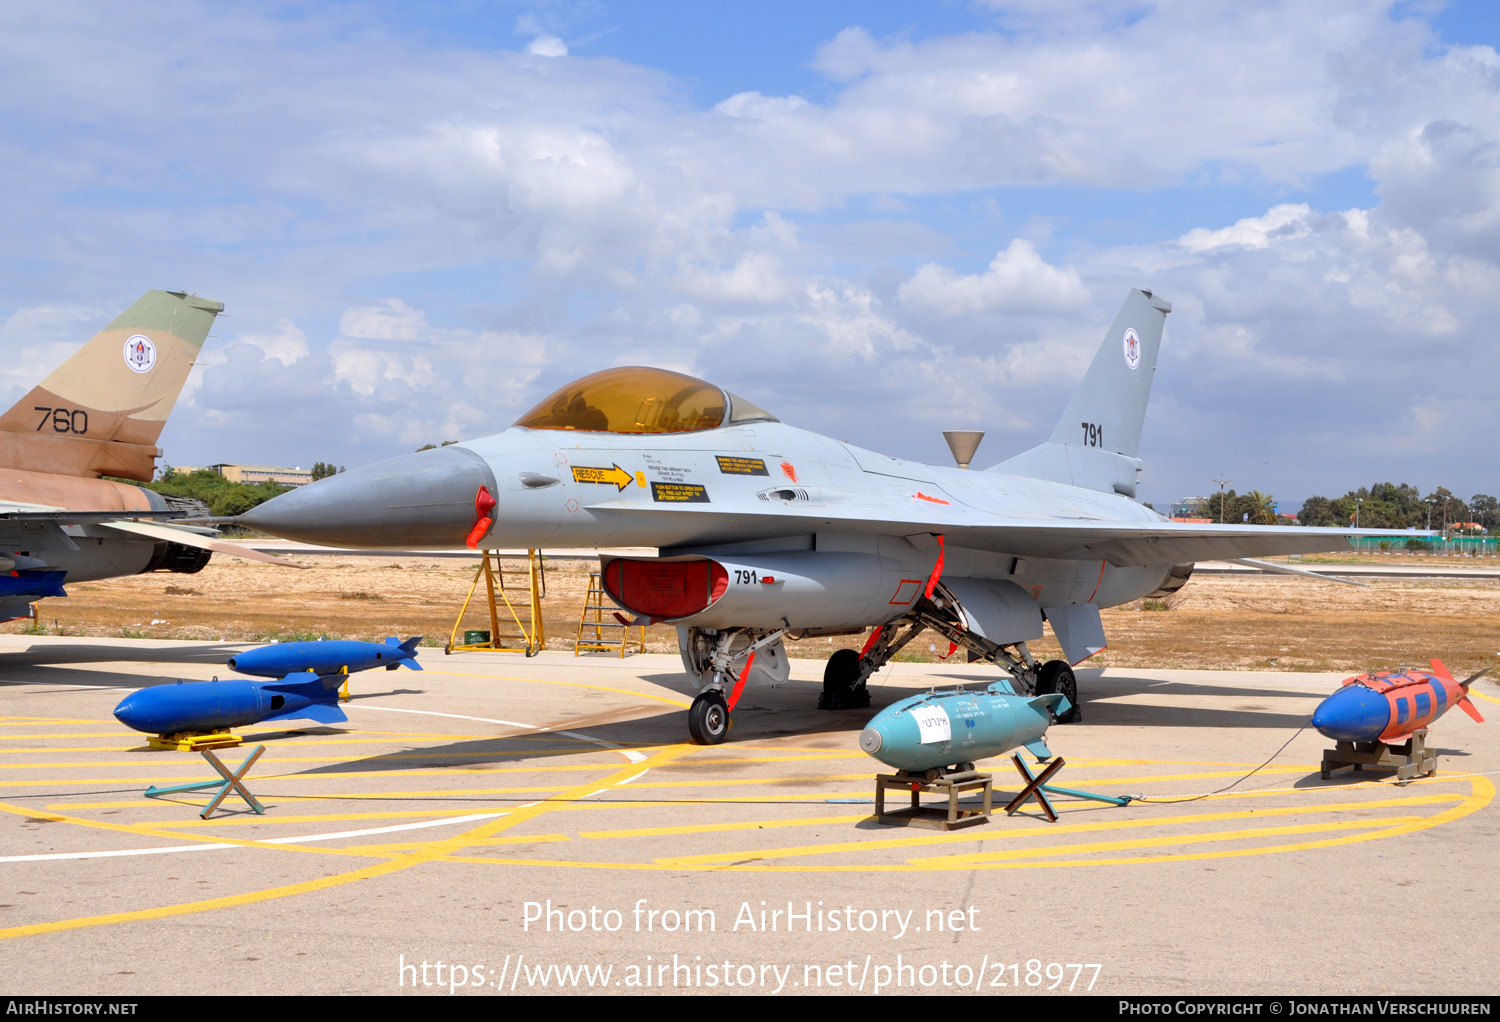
(469, 794)
(522, 839)
(28, 721)
(8, 749)
(789, 758)
(1210, 837)
(719, 828)
(158, 831)
(427, 853)
(1484, 792)
(574, 684)
(395, 757)
(252, 819)
(1481, 695)
(1023, 833)
(263, 778)
(71, 734)
(737, 782)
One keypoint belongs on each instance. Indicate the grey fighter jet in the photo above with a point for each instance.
(766, 531)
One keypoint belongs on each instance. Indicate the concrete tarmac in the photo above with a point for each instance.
(497, 824)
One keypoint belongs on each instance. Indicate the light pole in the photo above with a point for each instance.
(1222, 481)
(1357, 502)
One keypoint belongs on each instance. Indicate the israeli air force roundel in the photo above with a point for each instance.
(1132, 348)
(140, 353)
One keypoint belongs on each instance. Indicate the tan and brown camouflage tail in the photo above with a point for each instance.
(101, 412)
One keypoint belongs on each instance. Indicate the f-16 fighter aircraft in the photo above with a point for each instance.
(100, 414)
(767, 531)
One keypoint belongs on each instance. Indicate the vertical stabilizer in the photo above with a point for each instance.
(1099, 437)
(102, 411)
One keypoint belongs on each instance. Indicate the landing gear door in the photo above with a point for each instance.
(997, 610)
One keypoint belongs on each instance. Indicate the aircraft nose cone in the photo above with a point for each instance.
(422, 500)
(1352, 714)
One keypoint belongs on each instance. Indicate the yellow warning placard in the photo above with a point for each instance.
(679, 493)
(733, 465)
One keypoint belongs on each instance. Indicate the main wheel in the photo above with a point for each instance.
(708, 718)
(1057, 676)
(839, 676)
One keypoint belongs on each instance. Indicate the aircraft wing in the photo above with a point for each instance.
(188, 537)
(1122, 544)
(30, 517)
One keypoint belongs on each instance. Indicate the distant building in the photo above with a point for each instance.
(1187, 509)
(277, 474)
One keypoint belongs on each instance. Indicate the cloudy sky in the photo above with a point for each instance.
(878, 219)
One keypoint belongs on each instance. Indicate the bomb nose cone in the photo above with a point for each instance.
(128, 712)
(422, 500)
(870, 740)
(1352, 714)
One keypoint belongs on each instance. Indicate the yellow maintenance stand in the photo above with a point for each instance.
(519, 629)
(595, 634)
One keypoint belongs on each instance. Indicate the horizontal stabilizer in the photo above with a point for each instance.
(1287, 569)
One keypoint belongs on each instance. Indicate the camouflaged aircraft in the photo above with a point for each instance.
(100, 414)
(765, 531)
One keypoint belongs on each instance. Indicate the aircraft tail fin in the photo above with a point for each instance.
(102, 411)
(1098, 440)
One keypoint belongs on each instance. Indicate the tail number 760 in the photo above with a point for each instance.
(62, 420)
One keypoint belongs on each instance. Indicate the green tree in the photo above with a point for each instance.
(222, 496)
(1486, 510)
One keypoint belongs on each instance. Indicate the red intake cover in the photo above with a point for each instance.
(665, 589)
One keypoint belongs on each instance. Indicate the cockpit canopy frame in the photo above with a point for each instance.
(639, 400)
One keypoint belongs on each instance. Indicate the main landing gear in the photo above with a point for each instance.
(848, 671)
(1057, 676)
(844, 683)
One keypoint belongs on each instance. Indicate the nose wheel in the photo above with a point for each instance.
(708, 718)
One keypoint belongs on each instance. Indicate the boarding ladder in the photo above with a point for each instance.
(595, 634)
(514, 599)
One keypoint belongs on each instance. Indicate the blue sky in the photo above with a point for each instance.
(877, 219)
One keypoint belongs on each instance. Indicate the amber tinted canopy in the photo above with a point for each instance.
(637, 399)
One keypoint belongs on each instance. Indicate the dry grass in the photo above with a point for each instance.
(1216, 622)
